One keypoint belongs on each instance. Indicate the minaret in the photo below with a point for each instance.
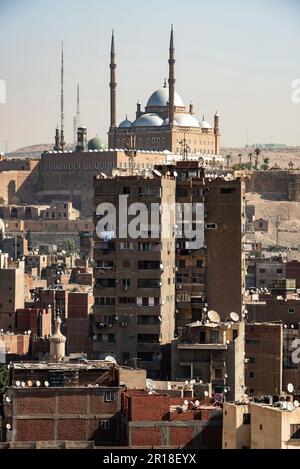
(57, 343)
(113, 83)
(77, 109)
(217, 132)
(171, 78)
(62, 116)
(57, 140)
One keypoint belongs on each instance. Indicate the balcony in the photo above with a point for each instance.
(197, 346)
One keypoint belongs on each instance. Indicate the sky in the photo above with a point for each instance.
(239, 57)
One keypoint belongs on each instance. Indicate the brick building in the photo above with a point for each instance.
(161, 421)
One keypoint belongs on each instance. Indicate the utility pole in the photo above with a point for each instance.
(277, 223)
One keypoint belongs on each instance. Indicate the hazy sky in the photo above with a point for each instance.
(235, 56)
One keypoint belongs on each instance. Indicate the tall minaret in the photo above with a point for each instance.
(171, 78)
(113, 83)
(217, 132)
(62, 116)
(78, 109)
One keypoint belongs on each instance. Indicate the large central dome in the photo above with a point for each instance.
(160, 98)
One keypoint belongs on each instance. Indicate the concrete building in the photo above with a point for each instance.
(261, 426)
(212, 352)
(264, 358)
(268, 272)
(162, 421)
(16, 247)
(11, 295)
(79, 323)
(60, 210)
(134, 290)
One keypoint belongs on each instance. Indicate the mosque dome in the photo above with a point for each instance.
(160, 98)
(184, 120)
(204, 124)
(125, 124)
(96, 144)
(148, 120)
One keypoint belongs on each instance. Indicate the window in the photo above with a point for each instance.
(126, 190)
(260, 427)
(105, 424)
(246, 419)
(110, 396)
(295, 431)
(279, 271)
(126, 263)
(211, 226)
(291, 310)
(199, 263)
(251, 360)
(251, 374)
(228, 190)
(262, 271)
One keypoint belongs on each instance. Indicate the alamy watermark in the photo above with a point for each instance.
(154, 220)
(296, 91)
(2, 91)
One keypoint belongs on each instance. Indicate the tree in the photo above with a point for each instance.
(250, 156)
(265, 164)
(257, 153)
(240, 160)
(69, 246)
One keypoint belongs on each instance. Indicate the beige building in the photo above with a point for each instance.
(261, 426)
(165, 123)
(213, 353)
(60, 210)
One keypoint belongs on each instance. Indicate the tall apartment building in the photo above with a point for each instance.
(134, 289)
(211, 276)
(11, 295)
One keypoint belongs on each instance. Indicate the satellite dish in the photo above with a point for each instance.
(157, 172)
(29, 383)
(186, 402)
(206, 393)
(290, 387)
(234, 317)
(8, 426)
(38, 383)
(193, 381)
(197, 403)
(110, 359)
(213, 316)
(186, 382)
(290, 406)
(7, 399)
(175, 173)
(284, 405)
(18, 383)
(46, 383)
(150, 384)
(23, 384)
(296, 404)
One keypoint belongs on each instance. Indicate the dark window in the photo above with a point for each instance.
(260, 427)
(246, 419)
(251, 374)
(279, 271)
(262, 271)
(227, 190)
(126, 190)
(295, 431)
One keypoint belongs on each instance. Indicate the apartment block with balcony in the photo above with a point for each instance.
(134, 286)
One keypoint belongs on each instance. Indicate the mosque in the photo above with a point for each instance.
(165, 123)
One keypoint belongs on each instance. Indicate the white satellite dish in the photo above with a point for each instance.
(193, 381)
(46, 383)
(110, 359)
(7, 399)
(290, 406)
(157, 172)
(284, 405)
(186, 402)
(150, 384)
(296, 404)
(23, 384)
(206, 393)
(234, 317)
(290, 387)
(8, 426)
(213, 316)
(18, 383)
(197, 403)
(175, 173)
(186, 382)
(37, 383)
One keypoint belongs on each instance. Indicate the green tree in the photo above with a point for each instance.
(265, 164)
(69, 246)
(257, 153)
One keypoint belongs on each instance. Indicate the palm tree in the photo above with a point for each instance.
(250, 160)
(257, 153)
(291, 165)
(265, 164)
(228, 158)
(240, 160)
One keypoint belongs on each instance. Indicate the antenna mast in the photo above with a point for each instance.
(78, 109)
(62, 116)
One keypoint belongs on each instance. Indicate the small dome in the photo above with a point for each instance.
(125, 124)
(96, 144)
(148, 120)
(160, 98)
(204, 124)
(184, 120)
